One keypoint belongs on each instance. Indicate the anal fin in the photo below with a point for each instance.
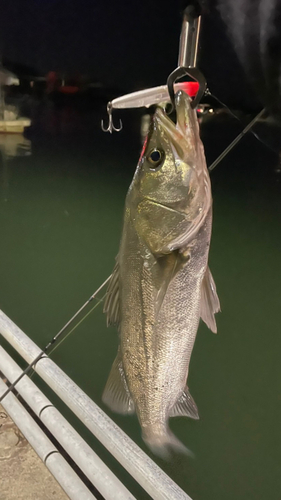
(116, 394)
(210, 303)
(185, 406)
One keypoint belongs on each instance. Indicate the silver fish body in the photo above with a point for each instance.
(161, 283)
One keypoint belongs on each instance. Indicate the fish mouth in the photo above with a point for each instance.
(171, 131)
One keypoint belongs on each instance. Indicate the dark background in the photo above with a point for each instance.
(135, 44)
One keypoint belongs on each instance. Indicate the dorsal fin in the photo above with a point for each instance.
(112, 299)
(210, 303)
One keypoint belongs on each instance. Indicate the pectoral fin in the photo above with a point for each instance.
(185, 406)
(210, 303)
(116, 394)
(112, 299)
(168, 267)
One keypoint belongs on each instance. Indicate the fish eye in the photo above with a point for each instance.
(155, 157)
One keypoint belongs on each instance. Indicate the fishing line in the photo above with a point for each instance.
(79, 323)
(74, 328)
(209, 93)
(236, 140)
(50, 345)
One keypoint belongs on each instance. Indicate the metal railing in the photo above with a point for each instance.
(45, 449)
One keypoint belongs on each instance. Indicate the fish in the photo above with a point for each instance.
(161, 283)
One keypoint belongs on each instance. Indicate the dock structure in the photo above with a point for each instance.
(14, 126)
(95, 479)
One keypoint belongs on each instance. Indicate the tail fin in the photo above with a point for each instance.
(162, 444)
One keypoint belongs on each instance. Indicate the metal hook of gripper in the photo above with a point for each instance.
(111, 127)
(188, 50)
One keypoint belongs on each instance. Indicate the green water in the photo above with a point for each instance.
(60, 220)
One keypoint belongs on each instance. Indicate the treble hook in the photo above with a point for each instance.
(111, 127)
